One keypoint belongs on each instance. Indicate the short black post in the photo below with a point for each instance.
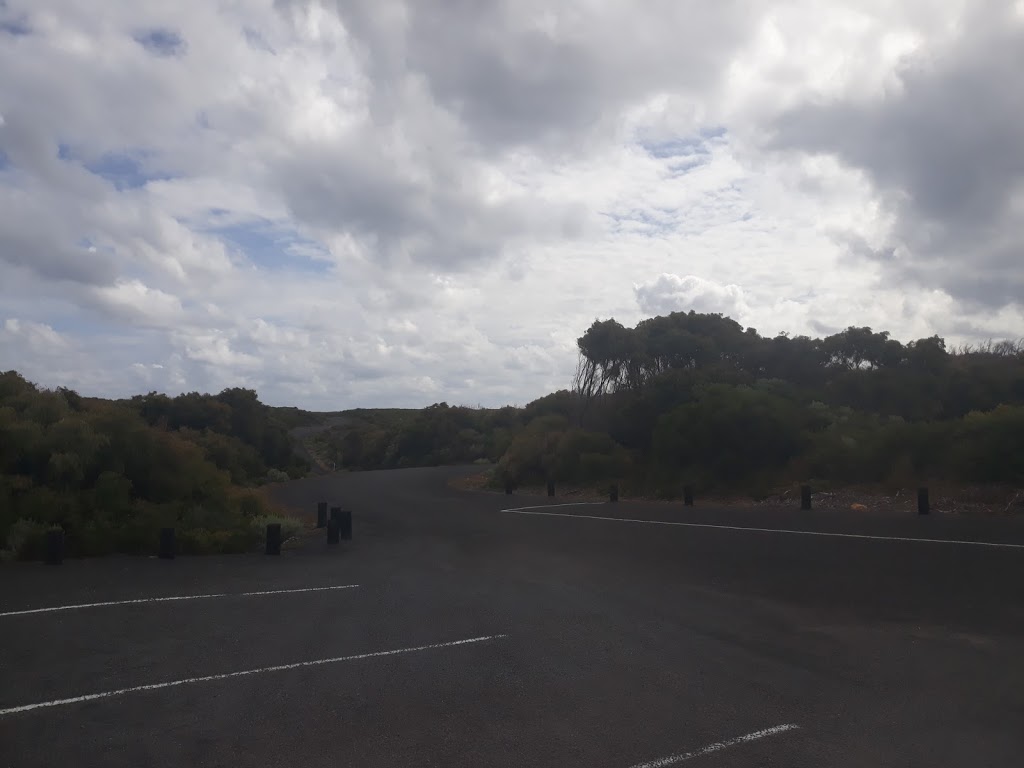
(805, 497)
(613, 492)
(508, 488)
(321, 515)
(551, 487)
(332, 531)
(922, 501)
(336, 516)
(345, 524)
(273, 538)
(167, 545)
(54, 547)
(687, 496)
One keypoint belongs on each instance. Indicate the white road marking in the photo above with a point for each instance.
(549, 506)
(225, 676)
(167, 599)
(717, 746)
(530, 511)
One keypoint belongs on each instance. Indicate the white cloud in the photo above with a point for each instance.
(350, 202)
(38, 335)
(672, 293)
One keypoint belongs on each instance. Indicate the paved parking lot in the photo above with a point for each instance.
(471, 629)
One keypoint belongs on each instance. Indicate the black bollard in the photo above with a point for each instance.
(922, 501)
(167, 545)
(687, 496)
(336, 516)
(332, 532)
(273, 538)
(805, 497)
(54, 547)
(613, 492)
(551, 487)
(508, 488)
(345, 524)
(321, 515)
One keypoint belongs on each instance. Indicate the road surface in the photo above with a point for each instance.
(471, 629)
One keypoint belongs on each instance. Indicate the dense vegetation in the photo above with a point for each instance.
(112, 473)
(686, 398)
(696, 398)
(397, 438)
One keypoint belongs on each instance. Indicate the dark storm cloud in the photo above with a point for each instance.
(946, 153)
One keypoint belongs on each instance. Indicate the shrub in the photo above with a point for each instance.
(26, 539)
(277, 476)
(290, 526)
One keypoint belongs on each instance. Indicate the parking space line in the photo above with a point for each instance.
(827, 534)
(242, 673)
(137, 601)
(718, 746)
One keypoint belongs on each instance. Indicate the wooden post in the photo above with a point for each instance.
(551, 487)
(923, 507)
(54, 547)
(613, 492)
(805, 497)
(687, 496)
(273, 538)
(168, 548)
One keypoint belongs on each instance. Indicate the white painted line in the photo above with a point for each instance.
(529, 511)
(718, 746)
(167, 599)
(225, 676)
(549, 506)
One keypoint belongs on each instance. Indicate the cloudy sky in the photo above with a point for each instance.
(378, 202)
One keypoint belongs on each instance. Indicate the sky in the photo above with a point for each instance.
(361, 203)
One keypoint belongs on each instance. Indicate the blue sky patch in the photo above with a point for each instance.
(652, 222)
(274, 248)
(126, 171)
(12, 23)
(161, 41)
(687, 152)
(15, 27)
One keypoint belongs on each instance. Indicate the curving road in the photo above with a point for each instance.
(470, 629)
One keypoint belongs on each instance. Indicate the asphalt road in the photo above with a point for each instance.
(595, 636)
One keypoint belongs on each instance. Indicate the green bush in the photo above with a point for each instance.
(277, 476)
(111, 480)
(290, 526)
(26, 540)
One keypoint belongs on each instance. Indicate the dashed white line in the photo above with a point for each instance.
(718, 746)
(137, 601)
(225, 676)
(532, 511)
